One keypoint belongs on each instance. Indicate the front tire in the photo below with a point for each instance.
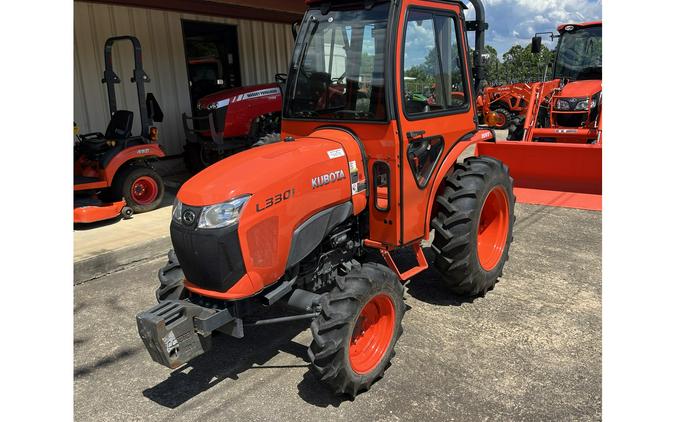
(474, 225)
(359, 324)
(503, 120)
(170, 280)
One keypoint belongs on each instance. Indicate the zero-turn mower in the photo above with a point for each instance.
(360, 167)
(113, 174)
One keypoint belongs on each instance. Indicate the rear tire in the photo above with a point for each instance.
(359, 324)
(474, 225)
(141, 187)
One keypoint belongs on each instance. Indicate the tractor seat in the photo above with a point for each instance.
(119, 129)
(120, 125)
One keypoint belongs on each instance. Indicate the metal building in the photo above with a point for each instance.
(258, 33)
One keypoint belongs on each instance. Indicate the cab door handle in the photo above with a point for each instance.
(415, 135)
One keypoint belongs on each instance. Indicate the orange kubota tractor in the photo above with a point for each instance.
(113, 170)
(499, 105)
(559, 161)
(362, 166)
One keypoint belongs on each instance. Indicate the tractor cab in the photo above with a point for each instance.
(396, 77)
(567, 107)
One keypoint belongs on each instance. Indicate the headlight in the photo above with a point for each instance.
(211, 106)
(222, 215)
(562, 105)
(582, 105)
(177, 210)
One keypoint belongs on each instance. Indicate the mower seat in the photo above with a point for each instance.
(120, 125)
(95, 145)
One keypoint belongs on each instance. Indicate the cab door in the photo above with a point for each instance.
(435, 106)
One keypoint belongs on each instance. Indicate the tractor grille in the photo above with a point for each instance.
(571, 119)
(201, 123)
(210, 258)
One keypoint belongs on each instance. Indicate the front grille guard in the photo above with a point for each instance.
(193, 136)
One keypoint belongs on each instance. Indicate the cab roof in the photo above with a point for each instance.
(579, 25)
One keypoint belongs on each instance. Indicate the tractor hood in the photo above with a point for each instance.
(225, 97)
(579, 89)
(296, 191)
(265, 170)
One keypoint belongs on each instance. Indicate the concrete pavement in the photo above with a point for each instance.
(529, 350)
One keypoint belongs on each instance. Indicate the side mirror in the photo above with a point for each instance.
(154, 111)
(536, 45)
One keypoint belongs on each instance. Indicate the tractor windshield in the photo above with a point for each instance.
(580, 54)
(338, 65)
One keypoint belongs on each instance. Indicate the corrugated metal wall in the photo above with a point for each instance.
(264, 49)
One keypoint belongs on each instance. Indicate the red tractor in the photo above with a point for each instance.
(232, 120)
(498, 105)
(113, 170)
(286, 227)
(559, 161)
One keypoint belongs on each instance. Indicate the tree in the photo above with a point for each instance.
(520, 65)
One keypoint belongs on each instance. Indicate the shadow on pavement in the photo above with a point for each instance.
(106, 361)
(428, 286)
(228, 358)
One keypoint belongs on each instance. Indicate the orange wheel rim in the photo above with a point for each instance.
(493, 228)
(372, 334)
(501, 119)
(144, 190)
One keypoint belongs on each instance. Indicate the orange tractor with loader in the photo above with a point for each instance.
(499, 105)
(362, 166)
(559, 159)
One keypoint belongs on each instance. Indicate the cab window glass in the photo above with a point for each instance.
(451, 61)
(432, 64)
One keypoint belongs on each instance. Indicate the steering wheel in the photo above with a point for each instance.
(339, 79)
(280, 78)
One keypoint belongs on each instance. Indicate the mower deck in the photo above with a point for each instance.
(95, 210)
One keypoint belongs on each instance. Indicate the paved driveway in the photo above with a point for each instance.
(529, 350)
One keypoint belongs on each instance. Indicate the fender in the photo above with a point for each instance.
(130, 154)
(448, 163)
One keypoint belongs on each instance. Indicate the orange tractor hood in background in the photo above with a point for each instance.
(579, 89)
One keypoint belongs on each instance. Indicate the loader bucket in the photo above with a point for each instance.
(554, 174)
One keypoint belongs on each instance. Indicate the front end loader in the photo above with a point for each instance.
(558, 159)
(283, 232)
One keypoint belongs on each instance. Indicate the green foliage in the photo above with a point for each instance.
(520, 65)
(517, 65)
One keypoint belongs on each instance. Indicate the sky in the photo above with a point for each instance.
(516, 21)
